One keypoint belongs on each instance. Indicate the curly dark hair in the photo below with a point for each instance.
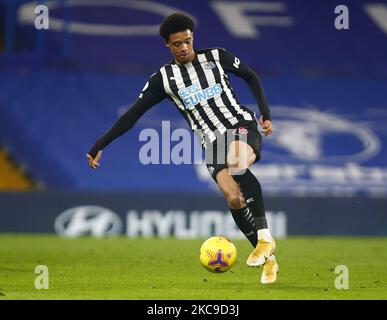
(176, 22)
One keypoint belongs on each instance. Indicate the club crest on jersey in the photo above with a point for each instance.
(209, 65)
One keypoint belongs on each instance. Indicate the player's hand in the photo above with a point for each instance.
(93, 162)
(266, 126)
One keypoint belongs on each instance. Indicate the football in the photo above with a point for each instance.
(218, 254)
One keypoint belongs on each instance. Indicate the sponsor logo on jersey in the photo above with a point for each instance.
(194, 94)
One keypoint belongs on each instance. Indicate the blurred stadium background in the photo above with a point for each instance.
(323, 171)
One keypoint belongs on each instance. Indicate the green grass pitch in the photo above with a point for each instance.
(123, 268)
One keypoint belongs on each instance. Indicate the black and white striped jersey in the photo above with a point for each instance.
(201, 91)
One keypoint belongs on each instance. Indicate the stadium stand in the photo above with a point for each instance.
(13, 178)
(73, 86)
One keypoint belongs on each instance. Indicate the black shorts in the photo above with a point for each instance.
(246, 131)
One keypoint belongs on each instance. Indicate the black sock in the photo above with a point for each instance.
(252, 192)
(245, 222)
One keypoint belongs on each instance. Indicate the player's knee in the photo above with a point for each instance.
(232, 161)
(235, 200)
(237, 166)
(240, 157)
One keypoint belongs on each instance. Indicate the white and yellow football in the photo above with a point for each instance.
(218, 254)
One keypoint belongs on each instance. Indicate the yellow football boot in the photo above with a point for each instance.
(270, 270)
(261, 253)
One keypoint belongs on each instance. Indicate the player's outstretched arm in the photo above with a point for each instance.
(151, 94)
(122, 125)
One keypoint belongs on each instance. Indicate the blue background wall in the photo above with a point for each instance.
(61, 88)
